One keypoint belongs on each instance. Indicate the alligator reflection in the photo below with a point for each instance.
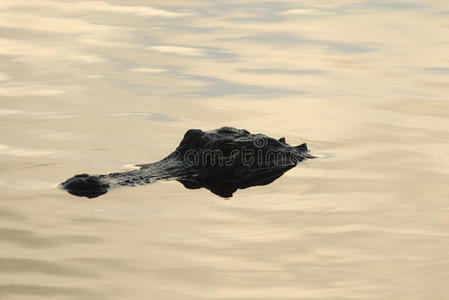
(224, 185)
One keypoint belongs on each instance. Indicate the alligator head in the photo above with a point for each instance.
(221, 160)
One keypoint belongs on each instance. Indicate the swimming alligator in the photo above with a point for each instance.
(221, 160)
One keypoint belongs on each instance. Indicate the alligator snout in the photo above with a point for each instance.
(85, 185)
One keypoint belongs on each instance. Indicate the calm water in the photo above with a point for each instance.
(93, 86)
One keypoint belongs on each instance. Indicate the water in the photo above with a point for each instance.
(95, 86)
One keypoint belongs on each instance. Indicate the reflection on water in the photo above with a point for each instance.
(91, 86)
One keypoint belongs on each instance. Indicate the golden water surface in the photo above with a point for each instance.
(93, 86)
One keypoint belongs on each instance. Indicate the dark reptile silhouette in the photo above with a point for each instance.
(221, 160)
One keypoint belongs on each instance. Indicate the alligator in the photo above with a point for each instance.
(221, 160)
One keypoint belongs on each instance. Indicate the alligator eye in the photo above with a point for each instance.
(227, 148)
